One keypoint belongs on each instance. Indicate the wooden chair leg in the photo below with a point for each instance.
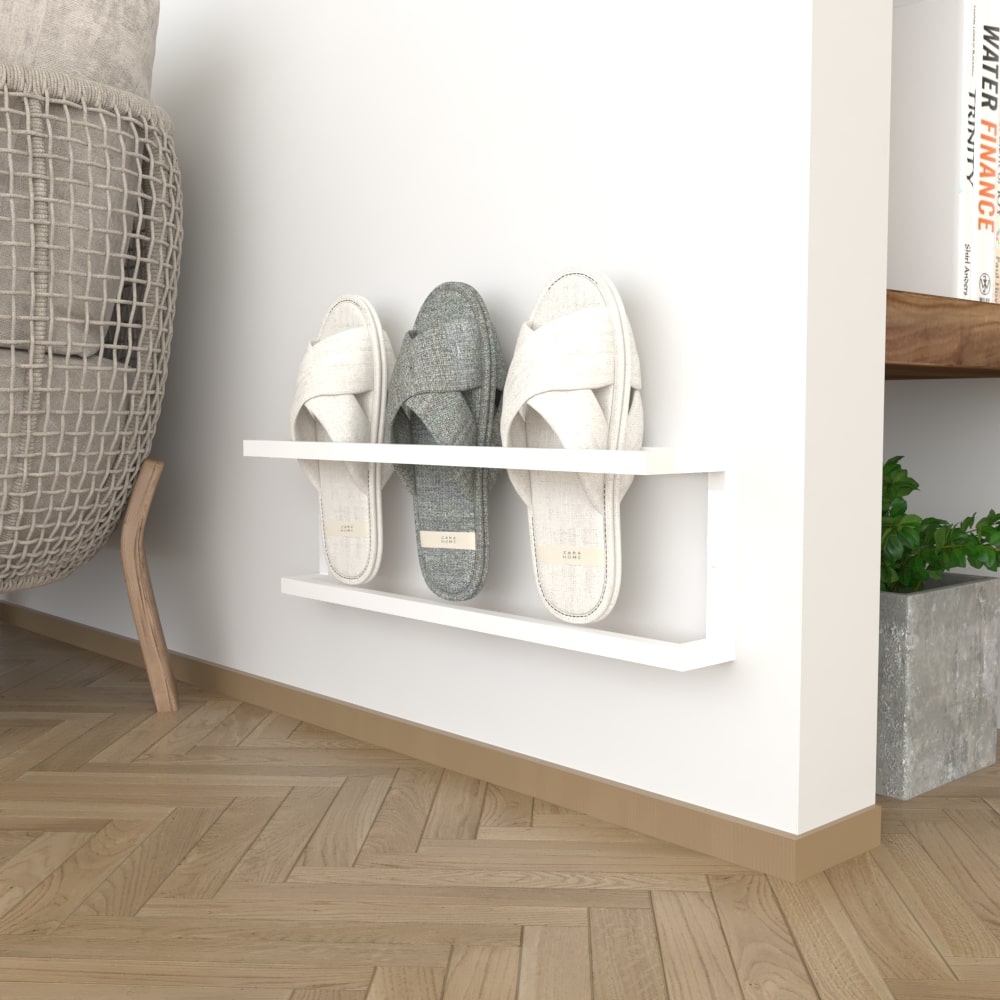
(140, 588)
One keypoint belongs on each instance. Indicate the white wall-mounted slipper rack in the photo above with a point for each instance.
(717, 646)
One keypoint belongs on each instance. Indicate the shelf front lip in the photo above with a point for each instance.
(675, 656)
(916, 370)
(641, 462)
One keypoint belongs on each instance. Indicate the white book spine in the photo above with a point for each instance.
(970, 245)
(987, 63)
(934, 244)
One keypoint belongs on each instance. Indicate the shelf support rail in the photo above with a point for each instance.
(720, 545)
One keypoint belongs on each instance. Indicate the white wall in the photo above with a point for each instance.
(844, 389)
(947, 433)
(728, 177)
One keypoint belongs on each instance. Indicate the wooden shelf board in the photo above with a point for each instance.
(929, 336)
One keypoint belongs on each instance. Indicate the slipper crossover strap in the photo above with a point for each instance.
(559, 370)
(430, 377)
(333, 391)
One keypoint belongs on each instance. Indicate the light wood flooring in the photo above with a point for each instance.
(227, 851)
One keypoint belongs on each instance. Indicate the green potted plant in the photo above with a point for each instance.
(938, 643)
(917, 549)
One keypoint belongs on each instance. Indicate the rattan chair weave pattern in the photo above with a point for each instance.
(90, 239)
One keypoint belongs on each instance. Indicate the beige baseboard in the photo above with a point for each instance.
(760, 848)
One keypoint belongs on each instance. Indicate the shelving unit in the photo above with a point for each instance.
(928, 336)
(717, 647)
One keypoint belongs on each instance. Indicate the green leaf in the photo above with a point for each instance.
(893, 546)
(915, 549)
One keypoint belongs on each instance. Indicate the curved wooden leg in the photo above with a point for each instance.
(140, 588)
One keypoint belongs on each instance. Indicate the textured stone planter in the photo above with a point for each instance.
(937, 675)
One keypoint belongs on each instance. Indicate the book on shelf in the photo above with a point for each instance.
(987, 64)
(944, 131)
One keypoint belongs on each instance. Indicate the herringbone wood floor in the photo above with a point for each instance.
(226, 851)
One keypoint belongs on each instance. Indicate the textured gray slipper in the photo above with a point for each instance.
(445, 390)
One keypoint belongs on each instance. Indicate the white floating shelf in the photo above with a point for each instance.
(676, 656)
(716, 648)
(642, 462)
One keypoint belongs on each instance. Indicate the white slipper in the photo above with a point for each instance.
(574, 383)
(340, 395)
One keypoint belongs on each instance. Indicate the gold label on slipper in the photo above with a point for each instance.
(448, 540)
(568, 555)
(346, 529)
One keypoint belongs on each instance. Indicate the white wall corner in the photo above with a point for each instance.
(845, 387)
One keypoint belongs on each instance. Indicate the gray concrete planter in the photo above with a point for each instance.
(937, 684)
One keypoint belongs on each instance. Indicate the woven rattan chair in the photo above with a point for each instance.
(90, 237)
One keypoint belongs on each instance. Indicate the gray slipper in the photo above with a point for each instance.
(445, 390)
